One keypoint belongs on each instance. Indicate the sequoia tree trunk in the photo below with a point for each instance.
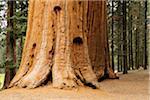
(66, 43)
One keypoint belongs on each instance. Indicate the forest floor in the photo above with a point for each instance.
(132, 86)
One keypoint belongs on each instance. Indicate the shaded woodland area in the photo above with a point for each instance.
(127, 35)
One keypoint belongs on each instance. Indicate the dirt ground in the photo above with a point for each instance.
(133, 86)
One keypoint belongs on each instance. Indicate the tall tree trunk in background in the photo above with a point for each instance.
(142, 34)
(66, 43)
(119, 23)
(124, 40)
(136, 49)
(121, 37)
(131, 44)
(9, 47)
(13, 70)
(112, 36)
(129, 40)
(137, 34)
(145, 37)
(148, 31)
(130, 36)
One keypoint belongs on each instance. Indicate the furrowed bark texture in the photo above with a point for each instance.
(66, 43)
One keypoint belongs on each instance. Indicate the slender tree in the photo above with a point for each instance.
(124, 39)
(112, 35)
(145, 37)
(9, 44)
(13, 41)
(131, 44)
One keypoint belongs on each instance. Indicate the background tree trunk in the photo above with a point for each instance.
(66, 43)
(145, 38)
(124, 40)
(112, 30)
(10, 41)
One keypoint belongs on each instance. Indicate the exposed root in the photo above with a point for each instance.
(108, 74)
(92, 84)
(111, 74)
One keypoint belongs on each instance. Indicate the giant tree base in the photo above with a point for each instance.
(64, 45)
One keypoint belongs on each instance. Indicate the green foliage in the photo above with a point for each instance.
(2, 34)
(18, 30)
